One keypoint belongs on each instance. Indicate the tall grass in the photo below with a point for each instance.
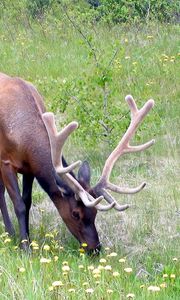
(147, 235)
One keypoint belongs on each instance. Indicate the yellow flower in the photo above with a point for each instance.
(81, 250)
(175, 259)
(91, 268)
(153, 288)
(34, 244)
(81, 267)
(130, 296)
(65, 262)
(108, 268)
(8, 240)
(149, 37)
(165, 275)
(96, 275)
(71, 290)
(84, 245)
(21, 270)
(122, 260)
(96, 271)
(56, 258)
(50, 288)
(107, 248)
(163, 285)
(46, 247)
(128, 270)
(142, 286)
(89, 291)
(113, 254)
(102, 260)
(126, 40)
(49, 235)
(44, 260)
(65, 268)
(57, 283)
(109, 291)
(172, 276)
(115, 274)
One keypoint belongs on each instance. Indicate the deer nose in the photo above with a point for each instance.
(95, 251)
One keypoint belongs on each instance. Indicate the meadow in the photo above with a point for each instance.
(84, 75)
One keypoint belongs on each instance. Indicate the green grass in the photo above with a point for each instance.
(148, 233)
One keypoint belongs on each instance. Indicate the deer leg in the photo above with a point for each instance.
(7, 222)
(27, 196)
(9, 177)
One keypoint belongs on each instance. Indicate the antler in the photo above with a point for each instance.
(122, 148)
(57, 141)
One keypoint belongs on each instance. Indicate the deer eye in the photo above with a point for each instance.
(76, 215)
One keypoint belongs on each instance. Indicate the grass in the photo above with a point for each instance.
(146, 237)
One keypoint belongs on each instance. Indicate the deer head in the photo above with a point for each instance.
(80, 216)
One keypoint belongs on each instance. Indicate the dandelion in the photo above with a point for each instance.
(81, 267)
(65, 268)
(81, 250)
(107, 249)
(175, 259)
(130, 296)
(113, 254)
(44, 260)
(128, 270)
(116, 274)
(109, 291)
(108, 268)
(102, 260)
(142, 286)
(91, 267)
(84, 245)
(153, 288)
(56, 258)
(122, 260)
(165, 275)
(6, 241)
(96, 271)
(149, 37)
(163, 285)
(50, 288)
(22, 270)
(46, 247)
(126, 41)
(172, 276)
(96, 275)
(71, 290)
(49, 235)
(34, 244)
(65, 262)
(89, 291)
(57, 283)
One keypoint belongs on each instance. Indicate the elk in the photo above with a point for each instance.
(31, 145)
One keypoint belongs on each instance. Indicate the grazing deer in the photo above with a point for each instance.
(31, 145)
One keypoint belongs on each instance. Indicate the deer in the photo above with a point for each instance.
(31, 145)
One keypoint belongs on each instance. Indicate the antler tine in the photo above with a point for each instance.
(122, 148)
(57, 141)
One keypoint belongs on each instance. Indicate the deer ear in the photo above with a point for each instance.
(84, 174)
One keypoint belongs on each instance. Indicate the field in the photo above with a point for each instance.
(140, 257)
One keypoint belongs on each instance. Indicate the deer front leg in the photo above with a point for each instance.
(27, 196)
(7, 222)
(10, 181)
